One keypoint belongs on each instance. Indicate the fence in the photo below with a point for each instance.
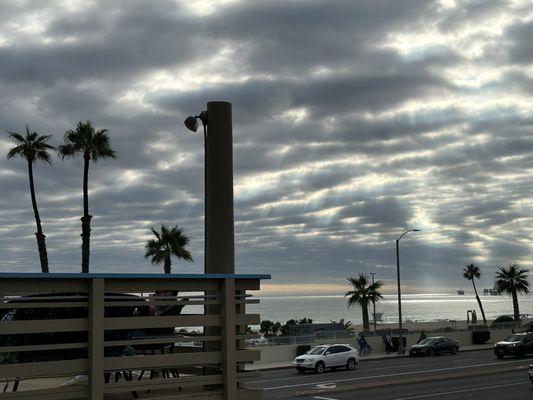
(120, 332)
(302, 339)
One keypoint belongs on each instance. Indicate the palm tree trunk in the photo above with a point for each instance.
(479, 303)
(41, 243)
(515, 306)
(86, 219)
(366, 322)
(167, 265)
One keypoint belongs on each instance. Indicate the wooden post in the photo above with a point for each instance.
(96, 339)
(241, 329)
(229, 347)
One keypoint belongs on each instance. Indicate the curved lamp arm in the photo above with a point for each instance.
(406, 232)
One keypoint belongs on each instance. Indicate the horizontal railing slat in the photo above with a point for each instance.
(161, 361)
(41, 347)
(151, 384)
(63, 393)
(39, 369)
(41, 326)
(175, 359)
(16, 305)
(162, 321)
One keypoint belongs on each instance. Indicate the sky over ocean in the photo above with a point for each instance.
(353, 121)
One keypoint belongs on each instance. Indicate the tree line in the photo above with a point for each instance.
(92, 145)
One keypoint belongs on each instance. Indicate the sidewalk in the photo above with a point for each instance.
(373, 356)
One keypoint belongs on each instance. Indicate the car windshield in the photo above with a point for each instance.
(317, 350)
(514, 338)
(426, 342)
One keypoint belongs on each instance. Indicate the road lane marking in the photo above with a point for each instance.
(398, 374)
(461, 391)
(365, 369)
(324, 398)
(408, 381)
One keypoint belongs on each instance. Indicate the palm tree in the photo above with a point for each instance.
(470, 272)
(94, 145)
(364, 292)
(33, 147)
(512, 280)
(171, 241)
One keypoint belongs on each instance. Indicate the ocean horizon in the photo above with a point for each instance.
(415, 307)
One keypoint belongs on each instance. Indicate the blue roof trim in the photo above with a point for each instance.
(35, 275)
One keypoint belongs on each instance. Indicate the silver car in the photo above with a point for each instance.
(327, 356)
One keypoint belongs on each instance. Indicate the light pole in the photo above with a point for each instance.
(400, 336)
(374, 303)
(219, 246)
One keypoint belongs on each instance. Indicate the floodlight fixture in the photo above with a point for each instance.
(191, 122)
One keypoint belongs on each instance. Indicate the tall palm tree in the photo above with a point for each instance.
(364, 293)
(512, 280)
(32, 148)
(93, 145)
(472, 272)
(171, 241)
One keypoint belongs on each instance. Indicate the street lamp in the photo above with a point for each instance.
(374, 303)
(400, 336)
(191, 122)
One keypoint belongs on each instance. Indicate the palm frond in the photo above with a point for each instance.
(32, 147)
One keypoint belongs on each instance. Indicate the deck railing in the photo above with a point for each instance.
(125, 336)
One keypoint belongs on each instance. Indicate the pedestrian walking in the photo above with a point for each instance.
(364, 347)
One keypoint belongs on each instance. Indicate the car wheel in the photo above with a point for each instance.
(319, 367)
(350, 364)
(498, 355)
(454, 350)
(431, 352)
(301, 370)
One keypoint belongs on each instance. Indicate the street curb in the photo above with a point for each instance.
(377, 358)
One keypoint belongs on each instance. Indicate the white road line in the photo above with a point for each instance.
(398, 374)
(365, 369)
(423, 396)
(324, 398)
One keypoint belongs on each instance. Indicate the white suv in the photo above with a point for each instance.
(327, 356)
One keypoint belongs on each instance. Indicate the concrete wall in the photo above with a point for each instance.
(285, 353)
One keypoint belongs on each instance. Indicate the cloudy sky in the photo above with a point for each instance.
(353, 121)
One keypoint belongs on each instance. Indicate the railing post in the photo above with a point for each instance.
(229, 347)
(96, 339)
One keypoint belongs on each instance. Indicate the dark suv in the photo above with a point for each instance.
(434, 345)
(517, 344)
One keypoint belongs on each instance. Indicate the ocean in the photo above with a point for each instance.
(415, 307)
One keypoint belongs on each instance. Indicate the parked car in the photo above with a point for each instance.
(434, 345)
(327, 356)
(517, 344)
(531, 372)
(258, 341)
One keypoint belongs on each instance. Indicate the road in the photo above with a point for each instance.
(467, 375)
